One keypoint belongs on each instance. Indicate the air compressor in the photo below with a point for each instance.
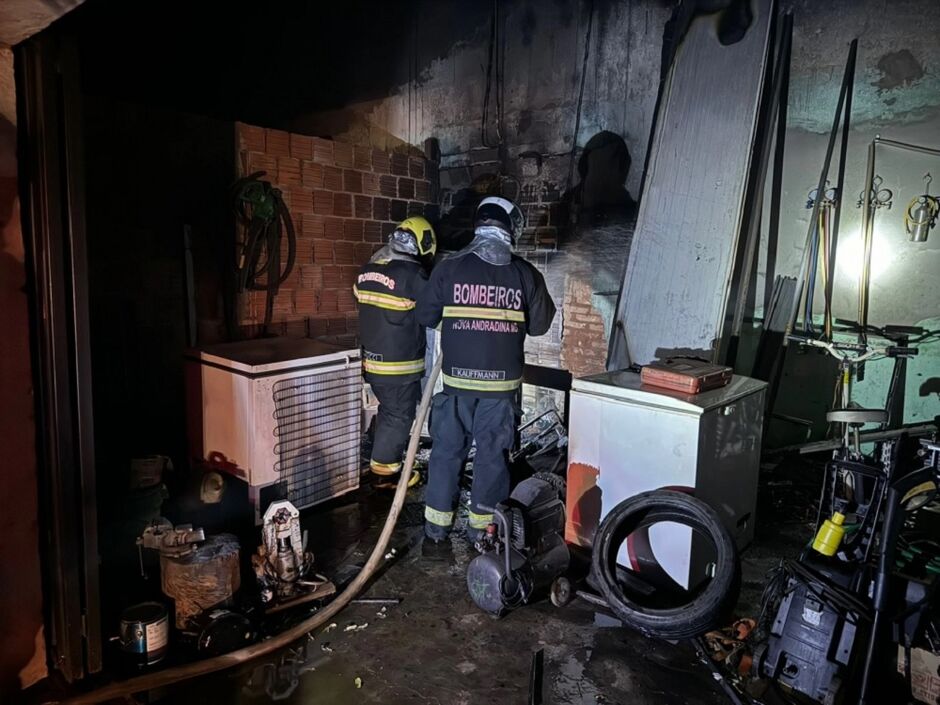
(524, 550)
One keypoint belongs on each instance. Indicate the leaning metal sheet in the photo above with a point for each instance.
(675, 289)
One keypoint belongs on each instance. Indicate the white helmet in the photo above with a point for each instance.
(495, 210)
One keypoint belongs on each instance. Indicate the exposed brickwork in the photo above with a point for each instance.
(584, 343)
(333, 192)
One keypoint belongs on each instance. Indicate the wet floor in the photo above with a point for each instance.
(436, 647)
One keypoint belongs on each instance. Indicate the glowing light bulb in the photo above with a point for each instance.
(850, 255)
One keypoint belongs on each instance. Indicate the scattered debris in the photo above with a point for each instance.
(326, 648)
(729, 646)
(382, 613)
(279, 679)
(391, 554)
(358, 682)
(353, 627)
(727, 682)
(377, 601)
(330, 628)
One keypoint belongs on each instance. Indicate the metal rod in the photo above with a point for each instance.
(776, 194)
(820, 189)
(840, 196)
(536, 677)
(924, 429)
(868, 226)
(906, 145)
(867, 231)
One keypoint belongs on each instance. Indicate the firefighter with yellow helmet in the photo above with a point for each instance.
(393, 343)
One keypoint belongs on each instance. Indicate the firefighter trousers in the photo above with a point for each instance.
(456, 421)
(398, 404)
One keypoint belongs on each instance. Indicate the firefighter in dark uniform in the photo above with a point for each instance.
(393, 343)
(486, 300)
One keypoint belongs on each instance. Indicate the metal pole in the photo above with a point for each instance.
(821, 189)
(773, 228)
(907, 145)
(840, 196)
(867, 231)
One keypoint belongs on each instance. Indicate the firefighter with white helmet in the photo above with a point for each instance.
(486, 300)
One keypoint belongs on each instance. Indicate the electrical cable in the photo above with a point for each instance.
(845, 603)
(177, 674)
(491, 52)
(577, 117)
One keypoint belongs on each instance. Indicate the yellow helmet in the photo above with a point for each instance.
(423, 234)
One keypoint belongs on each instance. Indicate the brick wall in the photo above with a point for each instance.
(344, 200)
(584, 344)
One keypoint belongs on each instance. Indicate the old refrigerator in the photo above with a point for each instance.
(282, 414)
(627, 438)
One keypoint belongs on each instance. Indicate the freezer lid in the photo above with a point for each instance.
(266, 355)
(626, 386)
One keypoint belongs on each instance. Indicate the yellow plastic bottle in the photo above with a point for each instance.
(830, 535)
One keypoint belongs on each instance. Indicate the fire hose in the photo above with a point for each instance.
(177, 674)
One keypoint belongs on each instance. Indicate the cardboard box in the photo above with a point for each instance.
(925, 674)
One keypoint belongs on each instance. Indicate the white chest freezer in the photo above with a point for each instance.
(282, 414)
(626, 438)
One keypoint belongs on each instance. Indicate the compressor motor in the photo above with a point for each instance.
(524, 550)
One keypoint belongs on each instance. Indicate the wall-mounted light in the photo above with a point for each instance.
(921, 213)
(850, 258)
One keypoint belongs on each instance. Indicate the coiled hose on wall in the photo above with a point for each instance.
(261, 211)
(707, 605)
(235, 658)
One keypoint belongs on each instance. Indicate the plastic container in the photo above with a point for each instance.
(830, 534)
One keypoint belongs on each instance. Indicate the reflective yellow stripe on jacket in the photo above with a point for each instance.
(405, 367)
(493, 314)
(386, 301)
(480, 385)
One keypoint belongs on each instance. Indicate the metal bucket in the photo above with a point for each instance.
(145, 632)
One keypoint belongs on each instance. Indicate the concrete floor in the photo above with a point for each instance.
(436, 647)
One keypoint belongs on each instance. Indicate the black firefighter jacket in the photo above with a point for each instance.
(485, 311)
(393, 343)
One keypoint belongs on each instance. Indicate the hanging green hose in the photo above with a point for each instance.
(260, 209)
(177, 674)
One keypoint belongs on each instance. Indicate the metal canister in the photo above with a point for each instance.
(145, 632)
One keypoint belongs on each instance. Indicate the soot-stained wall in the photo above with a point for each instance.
(552, 79)
(532, 112)
(393, 74)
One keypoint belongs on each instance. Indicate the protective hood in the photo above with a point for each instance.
(491, 244)
(392, 251)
